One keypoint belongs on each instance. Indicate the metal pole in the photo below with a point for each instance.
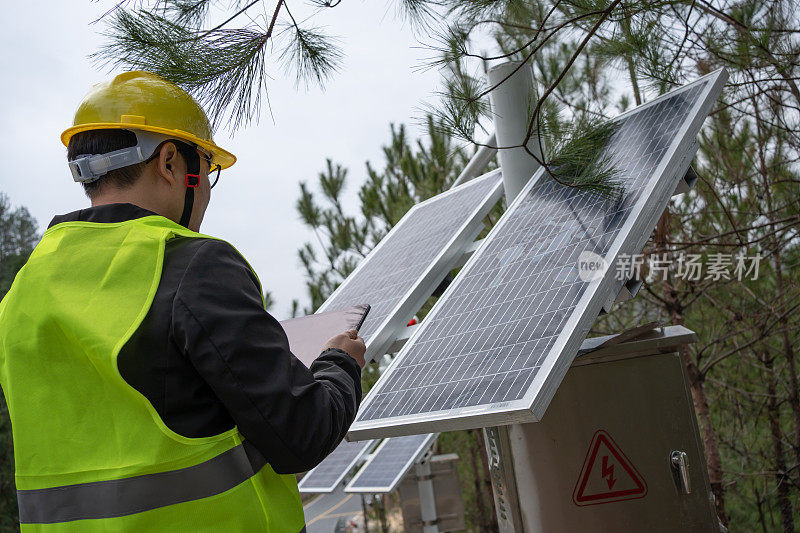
(512, 105)
(427, 500)
(478, 162)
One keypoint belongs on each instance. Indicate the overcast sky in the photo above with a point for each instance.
(47, 73)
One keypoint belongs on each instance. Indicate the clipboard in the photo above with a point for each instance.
(308, 334)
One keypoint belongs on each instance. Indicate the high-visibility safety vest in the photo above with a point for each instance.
(91, 453)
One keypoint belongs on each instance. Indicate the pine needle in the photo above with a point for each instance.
(187, 12)
(224, 69)
(420, 14)
(314, 56)
(580, 158)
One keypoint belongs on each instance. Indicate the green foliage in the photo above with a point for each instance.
(269, 301)
(18, 236)
(580, 158)
(545, 38)
(420, 14)
(187, 12)
(219, 68)
(314, 56)
(743, 367)
(462, 103)
(474, 488)
(225, 69)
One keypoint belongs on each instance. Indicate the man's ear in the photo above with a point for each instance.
(167, 164)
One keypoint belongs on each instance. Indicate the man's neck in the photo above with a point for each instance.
(126, 197)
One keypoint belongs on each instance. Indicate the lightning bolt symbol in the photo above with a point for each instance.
(608, 471)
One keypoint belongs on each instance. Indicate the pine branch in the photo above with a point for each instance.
(187, 12)
(463, 104)
(420, 14)
(580, 159)
(224, 69)
(314, 55)
(535, 118)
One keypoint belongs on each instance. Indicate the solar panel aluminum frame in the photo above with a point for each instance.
(431, 277)
(420, 453)
(601, 291)
(330, 488)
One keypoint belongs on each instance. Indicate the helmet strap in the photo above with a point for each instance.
(191, 180)
(188, 202)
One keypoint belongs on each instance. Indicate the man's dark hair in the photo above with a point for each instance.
(100, 142)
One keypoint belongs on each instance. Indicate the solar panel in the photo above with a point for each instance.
(384, 470)
(327, 475)
(412, 259)
(497, 344)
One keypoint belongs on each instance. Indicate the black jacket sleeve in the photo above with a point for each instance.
(295, 416)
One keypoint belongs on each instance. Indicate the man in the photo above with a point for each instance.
(148, 388)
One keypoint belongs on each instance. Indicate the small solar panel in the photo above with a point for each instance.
(386, 467)
(412, 259)
(497, 344)
(327, 475)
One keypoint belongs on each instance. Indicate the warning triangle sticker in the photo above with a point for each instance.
(607, 474)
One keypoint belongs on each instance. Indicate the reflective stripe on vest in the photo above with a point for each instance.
(120, 497)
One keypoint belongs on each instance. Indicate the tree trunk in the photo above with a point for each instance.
(380, 507)
(780, 301)
(760, 505)
(788, 353)
(674, 309)
(773, 412)
(364, 512)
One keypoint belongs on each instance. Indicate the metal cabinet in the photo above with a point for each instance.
(617, 450)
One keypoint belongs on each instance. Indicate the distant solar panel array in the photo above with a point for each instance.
(327, 475)
(497, 344)
(391, 461)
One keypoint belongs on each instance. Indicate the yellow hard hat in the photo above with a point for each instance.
(140, 100)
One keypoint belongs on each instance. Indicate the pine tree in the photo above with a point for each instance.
(18, 236)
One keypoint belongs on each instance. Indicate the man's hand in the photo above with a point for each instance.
(349, 342)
